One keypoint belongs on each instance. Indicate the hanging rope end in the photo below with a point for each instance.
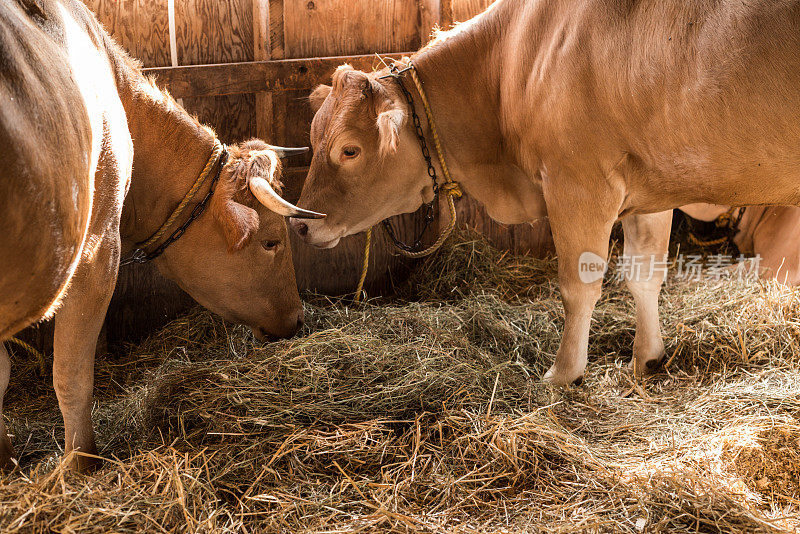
(357, 298)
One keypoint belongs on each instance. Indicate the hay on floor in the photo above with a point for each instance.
(426, 414)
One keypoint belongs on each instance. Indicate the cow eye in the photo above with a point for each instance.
(270, 245)
(350, 152)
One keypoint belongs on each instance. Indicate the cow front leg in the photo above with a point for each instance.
(581, 225)
(6, 449)
(644, 264)
(77, 326)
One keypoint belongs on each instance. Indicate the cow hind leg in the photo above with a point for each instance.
(6, 449)
(77, 326)
(581, 222)
(644, 264)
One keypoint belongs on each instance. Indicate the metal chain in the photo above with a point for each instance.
(397, 74)
(727, 222)
(734, 225)
(141, 256)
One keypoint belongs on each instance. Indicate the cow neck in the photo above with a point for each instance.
(455, 73)
(171, 148)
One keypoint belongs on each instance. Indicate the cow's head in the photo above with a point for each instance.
(235, 259)
(367, 164)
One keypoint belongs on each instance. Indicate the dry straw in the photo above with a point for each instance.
(425, 414)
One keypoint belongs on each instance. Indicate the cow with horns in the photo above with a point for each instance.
(98, 164)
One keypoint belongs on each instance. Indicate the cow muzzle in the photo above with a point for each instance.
(315, 233)
(288, 328)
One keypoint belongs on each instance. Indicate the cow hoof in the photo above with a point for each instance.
(558, 377)
(653, 365)
(647, 367)
(80, 463)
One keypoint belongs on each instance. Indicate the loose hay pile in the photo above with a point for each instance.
(426, 415)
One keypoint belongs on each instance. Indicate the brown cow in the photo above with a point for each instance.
(66, 154)
(772, 233)
(583, 111)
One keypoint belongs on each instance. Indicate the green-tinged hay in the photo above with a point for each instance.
(426, 414)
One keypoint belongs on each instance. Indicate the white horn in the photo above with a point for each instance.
(285, 152)
(272, 200)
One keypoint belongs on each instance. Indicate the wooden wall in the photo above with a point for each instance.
(465, 9)
(265, 96)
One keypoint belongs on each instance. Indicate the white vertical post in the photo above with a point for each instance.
(173, 40)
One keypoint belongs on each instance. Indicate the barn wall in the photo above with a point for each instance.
(466, 9)
(235, 31)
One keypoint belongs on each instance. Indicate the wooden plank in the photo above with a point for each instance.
(255, 76)
(261, 33)
(262, 45)
(231, 116)
(297, 130)
(274, 106)
(323, 27)
(433, 14)
(214, 31)
(140, 26)
(218, 32)
(276, 37)
(466, 9)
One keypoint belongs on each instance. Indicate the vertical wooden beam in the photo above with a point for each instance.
(173, 39)
(445, 13)
(432, 14)
(261, 36)
(276, 29)
(262, 44)
(277, 50)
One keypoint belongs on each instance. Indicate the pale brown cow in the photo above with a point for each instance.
(76, 116)
(584, 111)
(772, 233)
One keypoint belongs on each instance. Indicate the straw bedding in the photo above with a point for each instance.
(425, 414)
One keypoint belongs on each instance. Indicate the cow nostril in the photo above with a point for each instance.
(301, 228)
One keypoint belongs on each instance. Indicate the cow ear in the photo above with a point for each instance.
(389, 125)
(239, 224)
(318, 96)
